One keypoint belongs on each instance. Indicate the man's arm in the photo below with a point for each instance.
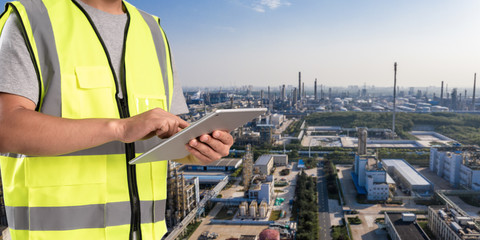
(23, 130)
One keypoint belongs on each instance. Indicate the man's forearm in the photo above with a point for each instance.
(33, 133)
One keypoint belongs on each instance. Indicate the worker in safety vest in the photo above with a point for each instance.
(85, 85)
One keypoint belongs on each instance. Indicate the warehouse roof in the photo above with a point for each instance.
(263, 160)
(410, 174)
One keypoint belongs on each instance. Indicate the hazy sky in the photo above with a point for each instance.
(340, 42)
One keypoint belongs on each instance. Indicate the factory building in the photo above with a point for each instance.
(460, 166)
(370, 178)
(407, 178)
(183, 195)
(265, 163)
(403, 226)
(224, 164)
(262, 188)
(450, 224)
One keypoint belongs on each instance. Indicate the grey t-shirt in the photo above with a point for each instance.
(17, 73)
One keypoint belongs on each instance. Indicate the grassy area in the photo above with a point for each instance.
(275, 215)
(223, 214)
(354, 220)
(426, 229)
(191, 229)
(339, 233)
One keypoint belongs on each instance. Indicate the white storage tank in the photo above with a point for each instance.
(442, 213)
(455, 227)
(263, 209)
(243, 208)
(253, 209)
(408, 217)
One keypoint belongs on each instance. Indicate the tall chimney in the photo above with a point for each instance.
(441, 94)
(303, 90)
(315, 90)
(474, 86)
(394, 96)
(299, 85)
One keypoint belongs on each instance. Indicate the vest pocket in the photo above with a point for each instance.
(90, 93)
(144, 103)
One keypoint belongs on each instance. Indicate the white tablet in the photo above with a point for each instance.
(174, 147)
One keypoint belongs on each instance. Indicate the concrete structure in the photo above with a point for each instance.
(280, 159)
(446, 164)
(370, 178)
(451, 224)
(264, 164)
(247, 172)
(224, 164)
(277, 119)
(262, 188)
(407, 178)
(183, 195)
(398, 229)
(362, 141)
(458, 165)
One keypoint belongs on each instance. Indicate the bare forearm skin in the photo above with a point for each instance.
(32, 133)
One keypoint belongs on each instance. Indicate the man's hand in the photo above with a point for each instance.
(210, 147)
(148, 124)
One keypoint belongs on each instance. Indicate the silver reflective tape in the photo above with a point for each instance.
(47, 55)
(81, 217)
(107, 148)
(160, 46)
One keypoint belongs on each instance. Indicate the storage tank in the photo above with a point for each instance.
(253, 209)
(243, 208)
(443, 215)
(408, 217)
(455, 227)
(263, 209)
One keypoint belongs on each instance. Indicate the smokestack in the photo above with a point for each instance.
(299, 85)
(315, 89)
(394, 96)
(295, 93)
(303, 90)
(474, 86)
(441, 94)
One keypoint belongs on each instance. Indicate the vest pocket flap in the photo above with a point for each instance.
(144, 103)
(94, 77)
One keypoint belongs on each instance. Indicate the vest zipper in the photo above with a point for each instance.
(122, 104)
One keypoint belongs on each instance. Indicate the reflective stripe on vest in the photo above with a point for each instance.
(76, 217)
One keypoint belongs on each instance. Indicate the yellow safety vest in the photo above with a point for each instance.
(93, 193)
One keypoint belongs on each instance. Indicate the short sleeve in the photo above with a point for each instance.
(17, 73)
(179, 105)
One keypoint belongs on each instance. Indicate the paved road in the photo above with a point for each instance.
(323, 215)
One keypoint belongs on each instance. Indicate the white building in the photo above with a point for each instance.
(264, 164)
(407, 178)
(470, 177)
(460, 168)
(369, 178)
(277, 119)
(262, 188)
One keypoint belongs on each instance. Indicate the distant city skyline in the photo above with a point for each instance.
(341, 43)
